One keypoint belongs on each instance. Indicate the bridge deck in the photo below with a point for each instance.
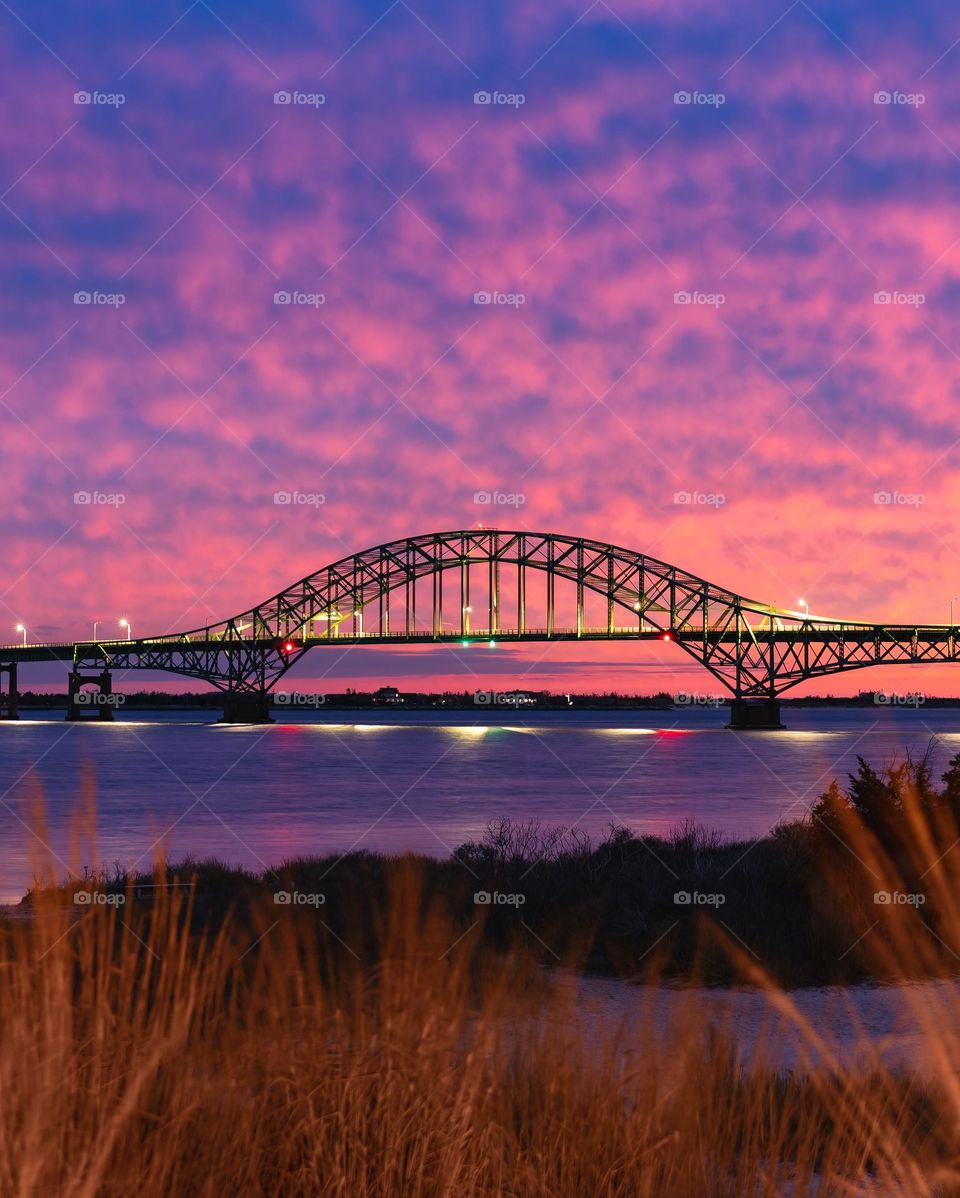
(816, 633)
(53, 652)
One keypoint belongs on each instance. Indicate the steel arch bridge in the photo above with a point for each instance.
(493, 584)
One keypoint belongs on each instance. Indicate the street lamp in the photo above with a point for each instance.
(21, 628)
(466, 618)
(806, 607)
(358, 614)
(96, 625)
(952, 602)
(126, 624)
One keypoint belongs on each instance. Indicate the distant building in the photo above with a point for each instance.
(387, 694)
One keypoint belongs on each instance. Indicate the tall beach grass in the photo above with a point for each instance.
(156, 1046)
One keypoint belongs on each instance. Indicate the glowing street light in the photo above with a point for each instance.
(332, 618)
(358, 614)
(806, 607)
(126, 624)
(21, 628)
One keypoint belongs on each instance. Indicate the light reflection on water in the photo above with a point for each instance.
(255, 795)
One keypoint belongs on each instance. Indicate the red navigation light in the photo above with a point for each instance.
(289, 647)
(667, 636)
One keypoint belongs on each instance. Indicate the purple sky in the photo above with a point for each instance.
(783, 199)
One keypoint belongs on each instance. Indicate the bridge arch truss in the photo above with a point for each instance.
(492, 584)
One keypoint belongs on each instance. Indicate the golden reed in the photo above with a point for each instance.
(142, 1053)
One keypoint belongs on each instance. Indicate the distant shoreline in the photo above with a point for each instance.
(306, 700)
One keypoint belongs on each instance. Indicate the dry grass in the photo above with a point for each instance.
(142, 1055)
(137, 1057)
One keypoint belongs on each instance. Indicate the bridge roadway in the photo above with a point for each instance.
(942, 635)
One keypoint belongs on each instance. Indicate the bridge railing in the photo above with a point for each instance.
(643, 628)
(796, 627)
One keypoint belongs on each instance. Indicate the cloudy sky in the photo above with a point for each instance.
(723, 243)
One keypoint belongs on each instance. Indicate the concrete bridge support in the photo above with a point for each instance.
(755, 715)
(246, 707)
(8, 696)
(95, 704)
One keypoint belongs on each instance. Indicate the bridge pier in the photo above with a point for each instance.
(9, 697)
(90, 705)
(755, 715)
(246, 707)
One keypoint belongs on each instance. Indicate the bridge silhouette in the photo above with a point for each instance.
(493, 585)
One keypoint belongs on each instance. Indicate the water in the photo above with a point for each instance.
(857, 1027)
(424, 781)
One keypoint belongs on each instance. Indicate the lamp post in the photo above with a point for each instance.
(806, 606)
(22, 629)
(126, 624)
(952, 602)
(96, 625)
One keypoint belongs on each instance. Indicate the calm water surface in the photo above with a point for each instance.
(425, 781)
(863, 1027)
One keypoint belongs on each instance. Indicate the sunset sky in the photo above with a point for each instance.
(813, 174)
